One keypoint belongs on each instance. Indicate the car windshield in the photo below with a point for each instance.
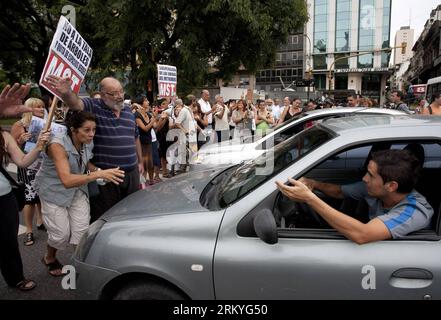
(237, 181)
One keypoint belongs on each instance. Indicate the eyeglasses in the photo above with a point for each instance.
(115, 94)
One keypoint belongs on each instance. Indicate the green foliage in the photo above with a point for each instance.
(130, 37)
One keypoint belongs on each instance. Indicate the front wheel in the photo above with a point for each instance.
(147, 290)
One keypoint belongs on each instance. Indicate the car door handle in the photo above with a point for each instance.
(411, 278)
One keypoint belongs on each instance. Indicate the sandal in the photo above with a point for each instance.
(157, 180)
(29, 239)
(26, 285)
(41, 227)
(53, 266)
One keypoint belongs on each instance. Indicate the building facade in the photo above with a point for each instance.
(426, 61)
(288, 67)
(404, 35)
(340, 28)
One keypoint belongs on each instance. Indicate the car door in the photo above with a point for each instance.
(314, 267)
(317, 264)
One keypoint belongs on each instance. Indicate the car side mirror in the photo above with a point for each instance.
(265, 226)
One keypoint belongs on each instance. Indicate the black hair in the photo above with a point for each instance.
(75, 119)
(399, 93)
(400, 166)
(139, 99)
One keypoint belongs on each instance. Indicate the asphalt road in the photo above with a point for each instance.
(48, 287)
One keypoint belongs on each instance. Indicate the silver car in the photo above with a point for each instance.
(234, 151)
(230, 234)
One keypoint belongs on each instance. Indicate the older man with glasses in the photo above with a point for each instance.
(116, 143)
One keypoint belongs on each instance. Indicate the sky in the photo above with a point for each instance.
(417, 10)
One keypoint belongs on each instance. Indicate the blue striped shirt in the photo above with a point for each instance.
(115, 138)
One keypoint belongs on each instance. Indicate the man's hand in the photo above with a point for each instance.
(11, 100)
(309, 183)
(62, 85)
(297, 192)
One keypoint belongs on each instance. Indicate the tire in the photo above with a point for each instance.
(147, 290)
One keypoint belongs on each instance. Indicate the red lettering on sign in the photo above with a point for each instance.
(56, 66)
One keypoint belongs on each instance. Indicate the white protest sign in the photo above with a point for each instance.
(167, 80)
(69, 56)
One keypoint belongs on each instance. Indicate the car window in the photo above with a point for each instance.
(238, 181)
(300, 216)
(432, 154)
(351, 159)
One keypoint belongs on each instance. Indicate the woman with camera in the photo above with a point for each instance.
(264, 118)
(243, 119)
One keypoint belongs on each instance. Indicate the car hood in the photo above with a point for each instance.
(176, 195)
(225, 146)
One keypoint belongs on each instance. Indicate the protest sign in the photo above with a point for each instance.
(69, 56)
(167, 80)
(36, 125)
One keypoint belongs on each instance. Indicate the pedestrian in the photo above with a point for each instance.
(221, 119)
(291, 110)
(19, 132)
(10, 260)
(116, 143)
(146, 123)
(397, 98)
(264, 119)
(62, 185)
(435, 107)
(243, 119)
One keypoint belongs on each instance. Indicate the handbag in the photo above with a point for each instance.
(18, 188)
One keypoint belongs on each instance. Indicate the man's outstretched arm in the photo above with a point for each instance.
(351, 228)
(62, 85)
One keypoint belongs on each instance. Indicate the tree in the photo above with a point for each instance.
(188, 34)
(26, 31)
(129, 37)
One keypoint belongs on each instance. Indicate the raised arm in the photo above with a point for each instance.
(17, 156)
(62, 85)
(11, 100)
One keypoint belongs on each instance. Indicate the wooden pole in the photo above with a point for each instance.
(51, 114)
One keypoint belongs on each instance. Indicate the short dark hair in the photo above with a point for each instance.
(399, 93)
(139, 99)
(75, 119)
(352, 96)
(400, 166)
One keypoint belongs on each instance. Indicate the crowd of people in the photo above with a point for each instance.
(111, 144)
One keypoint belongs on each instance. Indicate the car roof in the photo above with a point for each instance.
(368, 125)
(338, 110)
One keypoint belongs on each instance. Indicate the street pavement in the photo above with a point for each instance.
(48, 287)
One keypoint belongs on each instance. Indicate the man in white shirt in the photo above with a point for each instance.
(221, 119)
(277, 109)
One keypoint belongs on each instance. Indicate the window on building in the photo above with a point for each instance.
(320, 25)
(320, 62)
(343, 25)
(385, 56)
(366, 36)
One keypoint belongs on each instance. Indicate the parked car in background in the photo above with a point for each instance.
(228, 233)
(233, 151)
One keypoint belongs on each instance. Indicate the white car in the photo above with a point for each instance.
(233, 151)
